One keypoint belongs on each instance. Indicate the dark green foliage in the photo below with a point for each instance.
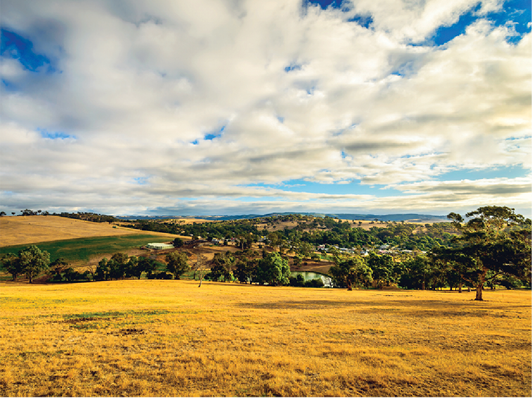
(11, 264)
(352, 272)
(89, 217)
(177, 264)
(273, 270)
(494, 241)
(417, 273)
(382, 267)
(222, 267)
(33, 261)
(299, 281)
(245, 270)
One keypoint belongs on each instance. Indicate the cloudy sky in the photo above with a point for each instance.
(233, 106)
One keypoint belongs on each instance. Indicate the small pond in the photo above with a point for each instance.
(309, 275)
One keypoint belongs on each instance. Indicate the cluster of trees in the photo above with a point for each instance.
(26, 212)
(343, 234)
(30, 261)
(122, 266)
(249, 267)
(93, 217)
(79, 215)
(493, 248)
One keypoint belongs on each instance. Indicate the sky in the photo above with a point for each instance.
(223, 107)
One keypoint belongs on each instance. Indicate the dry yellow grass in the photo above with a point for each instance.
(24, 230)
(171, 338)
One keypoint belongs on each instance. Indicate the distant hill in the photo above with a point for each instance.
(412, 217)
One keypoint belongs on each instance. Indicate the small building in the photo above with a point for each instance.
(159, 246)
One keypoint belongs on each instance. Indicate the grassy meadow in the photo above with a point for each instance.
(171, 338)
(82, 250)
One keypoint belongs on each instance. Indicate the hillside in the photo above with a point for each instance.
(23, 230)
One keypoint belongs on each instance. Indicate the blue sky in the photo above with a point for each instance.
(182, 108)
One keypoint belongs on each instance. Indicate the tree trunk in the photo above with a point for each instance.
(479, 292)
(460, 287)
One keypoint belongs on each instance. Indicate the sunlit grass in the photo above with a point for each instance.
(171, 338)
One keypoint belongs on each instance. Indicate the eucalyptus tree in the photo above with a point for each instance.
(494, 241)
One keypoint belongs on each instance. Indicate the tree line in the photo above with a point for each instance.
(492, 248)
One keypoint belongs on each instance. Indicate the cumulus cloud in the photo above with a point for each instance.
(181, 105)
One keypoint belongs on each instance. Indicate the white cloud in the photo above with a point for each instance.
(140, 84)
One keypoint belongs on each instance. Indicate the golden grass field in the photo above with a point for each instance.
(171, 338)
(25, 230)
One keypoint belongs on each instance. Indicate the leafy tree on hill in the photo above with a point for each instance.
(118, 265)
(222, 265)
(382, 268)
(33, 261)
(495, 241)
(102, 271)
(144, 265)
(351, 272)
(273, 270)
(177, 242)
(245, 270)
(12, 265)
(177, 264)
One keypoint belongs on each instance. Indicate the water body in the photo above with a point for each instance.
(308, 275)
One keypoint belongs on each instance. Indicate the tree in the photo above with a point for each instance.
(2, 213)
(118, 265)
(274, 239)
(222, 266)
(177, 264)
(305, 249)
(102, 271)
(33, 261)
(382, 268)
(132, 267)
(494, 241)
(245, 270)
(351, 272)
(417, 273)
(11, 264)
(58, 266)
(145, 264)
(273, 270)
(177, 242)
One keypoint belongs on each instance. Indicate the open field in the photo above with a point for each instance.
(32, 229)
(81, 251)
(171, 338)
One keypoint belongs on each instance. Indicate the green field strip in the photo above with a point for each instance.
(81, 249)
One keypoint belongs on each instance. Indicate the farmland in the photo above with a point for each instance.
(81, 251)
(158, 338)
(31, 229)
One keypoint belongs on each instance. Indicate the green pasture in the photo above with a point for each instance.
(80, 250)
